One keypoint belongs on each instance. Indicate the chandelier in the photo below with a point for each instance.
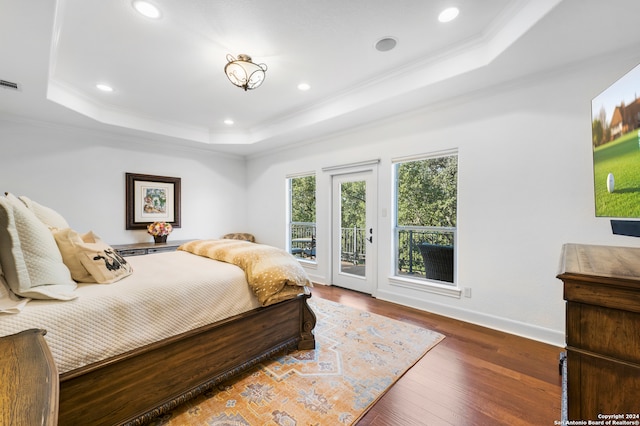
(244, 73)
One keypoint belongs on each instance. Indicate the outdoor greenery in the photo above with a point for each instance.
(427, 192)
(600, 130)
(621, 158)
(354, 199)
(302, 229)
(303, 199)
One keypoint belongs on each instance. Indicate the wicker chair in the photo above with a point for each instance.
(240, 236)
(438, 261)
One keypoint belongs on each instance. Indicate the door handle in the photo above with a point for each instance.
(370, 239)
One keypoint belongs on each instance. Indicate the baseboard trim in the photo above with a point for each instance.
(529, 331)
(317, 279)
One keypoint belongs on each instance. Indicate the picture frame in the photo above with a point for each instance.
(151, 199)
(615, 140)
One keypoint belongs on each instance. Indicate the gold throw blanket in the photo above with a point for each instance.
(272, 273)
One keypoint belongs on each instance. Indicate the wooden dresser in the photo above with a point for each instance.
(602, 290)
(29, 385)
(138, 249)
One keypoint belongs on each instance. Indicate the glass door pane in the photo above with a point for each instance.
(353, 215)
(353, 243)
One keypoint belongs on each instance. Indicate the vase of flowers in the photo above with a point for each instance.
(159, 231)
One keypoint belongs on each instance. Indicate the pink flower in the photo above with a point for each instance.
(159, 228)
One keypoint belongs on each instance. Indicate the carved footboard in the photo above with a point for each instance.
(136, 387)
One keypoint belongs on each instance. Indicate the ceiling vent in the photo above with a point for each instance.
(9, 85)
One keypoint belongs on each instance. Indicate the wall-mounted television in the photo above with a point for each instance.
(615, 125)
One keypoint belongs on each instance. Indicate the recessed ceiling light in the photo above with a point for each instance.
(304, 87)
(448, 14)
(385, 44)
(228, 122)
(104, 87)
(146, 8)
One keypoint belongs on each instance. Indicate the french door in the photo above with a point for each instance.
(353, 236)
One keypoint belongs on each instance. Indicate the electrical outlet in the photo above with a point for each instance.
(467, 292)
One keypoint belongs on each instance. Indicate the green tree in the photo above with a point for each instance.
(303, 199)
(353, 204)
(427, 192)
(597, 132)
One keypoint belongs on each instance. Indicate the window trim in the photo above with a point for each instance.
(424, 284)
(425, 156)
(288, 179)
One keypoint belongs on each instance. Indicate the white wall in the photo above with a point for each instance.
(525, 189)
(81, 174)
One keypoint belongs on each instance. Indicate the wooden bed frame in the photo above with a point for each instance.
(140, 385)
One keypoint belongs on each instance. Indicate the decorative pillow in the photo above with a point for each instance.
(30, 258)
(47, 215)
(240, 236)
(90, 259)
(68, 242)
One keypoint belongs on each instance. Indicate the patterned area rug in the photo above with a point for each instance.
(358, 356)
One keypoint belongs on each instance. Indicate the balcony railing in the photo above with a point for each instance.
(410, 241)
(353, 245)
(410, 259)
(303, 240)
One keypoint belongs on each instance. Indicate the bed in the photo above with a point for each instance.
(133, 348)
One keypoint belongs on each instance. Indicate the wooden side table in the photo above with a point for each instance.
(29, 384)
(139, 249)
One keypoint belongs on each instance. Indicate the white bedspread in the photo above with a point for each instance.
(167, 294)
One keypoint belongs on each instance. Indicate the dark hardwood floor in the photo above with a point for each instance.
(475, 376)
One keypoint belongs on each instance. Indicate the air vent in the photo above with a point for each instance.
(9, 85)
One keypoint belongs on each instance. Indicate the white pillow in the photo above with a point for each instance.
(9, 302)
(89, 259)
(30, 258)
(47, 215)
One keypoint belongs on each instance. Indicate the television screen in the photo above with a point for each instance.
(616, 148)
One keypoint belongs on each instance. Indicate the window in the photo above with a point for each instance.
(425, 213)
(302, 217)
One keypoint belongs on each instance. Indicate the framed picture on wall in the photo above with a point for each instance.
(152, 199)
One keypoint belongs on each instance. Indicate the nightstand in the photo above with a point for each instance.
(139, 249)
(29, 383)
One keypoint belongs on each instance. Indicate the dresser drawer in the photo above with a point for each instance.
(132, 252)
(605, 331)
(160, 249)
(601, 386)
